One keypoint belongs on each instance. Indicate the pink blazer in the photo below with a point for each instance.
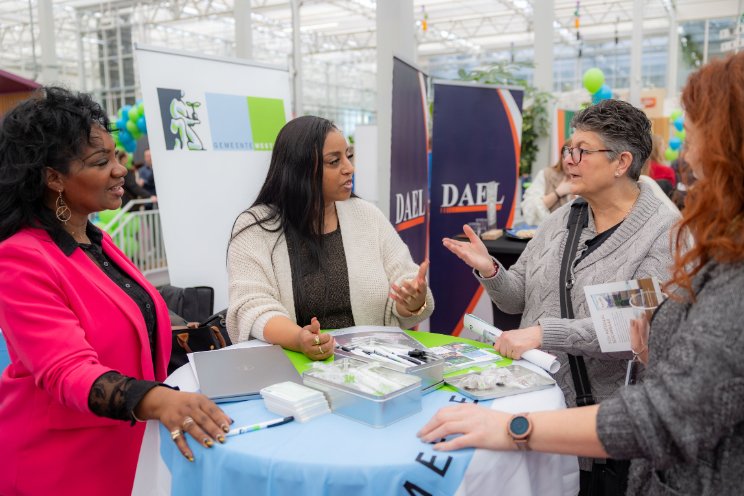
(66, 323)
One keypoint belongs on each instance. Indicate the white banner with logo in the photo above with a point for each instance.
(211, 124)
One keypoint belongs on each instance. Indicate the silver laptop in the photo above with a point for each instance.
(240, 373)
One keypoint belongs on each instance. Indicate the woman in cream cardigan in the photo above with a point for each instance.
(309, 255)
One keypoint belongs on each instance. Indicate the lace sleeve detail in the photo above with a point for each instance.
(115, 396)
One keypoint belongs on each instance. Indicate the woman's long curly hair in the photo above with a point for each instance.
(714, 212)
(50, 129)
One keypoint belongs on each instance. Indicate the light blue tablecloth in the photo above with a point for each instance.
(4, 357)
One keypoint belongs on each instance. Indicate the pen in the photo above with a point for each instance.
(259, 426)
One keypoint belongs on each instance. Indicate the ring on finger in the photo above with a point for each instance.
(175, 434)
(320, 349)
(187, 423)
(317, 339)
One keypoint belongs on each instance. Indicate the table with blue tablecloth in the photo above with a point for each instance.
(333, 455)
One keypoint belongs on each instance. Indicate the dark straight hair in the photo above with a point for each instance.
(293, 192)
(50, 129)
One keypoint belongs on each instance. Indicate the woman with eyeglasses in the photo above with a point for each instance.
(625, 235)
(683, 425)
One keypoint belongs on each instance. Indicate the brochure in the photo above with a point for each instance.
(611, 307)
(458, 356)
(491, 333)
(497, 382)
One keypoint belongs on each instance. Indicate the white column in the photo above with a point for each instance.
(47, 42)
(672, 55)
(296, 59)
(542, 22)
(636, 53)
(243, 33)
(395, 36)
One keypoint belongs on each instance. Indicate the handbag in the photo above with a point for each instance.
(608, 477)
(206, 336)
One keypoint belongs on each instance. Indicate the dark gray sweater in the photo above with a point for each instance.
(684, 425)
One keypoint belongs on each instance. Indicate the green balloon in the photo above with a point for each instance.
(132, 128)
(134, 114)
(106, 216)
(676, 114)
(141, 108)
(681, 134)
(670, 154)
(593, 80)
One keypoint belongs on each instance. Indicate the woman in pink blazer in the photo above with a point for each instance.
(88, 336)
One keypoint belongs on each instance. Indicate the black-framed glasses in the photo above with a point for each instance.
(578, 153)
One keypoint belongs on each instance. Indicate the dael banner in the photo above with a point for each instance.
(476, 139)
(409, 197)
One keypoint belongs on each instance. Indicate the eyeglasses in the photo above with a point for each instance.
(577, 153)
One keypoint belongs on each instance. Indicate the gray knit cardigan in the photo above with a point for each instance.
(684, 424)
(639, 247)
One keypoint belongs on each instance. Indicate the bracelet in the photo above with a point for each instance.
(420, 310)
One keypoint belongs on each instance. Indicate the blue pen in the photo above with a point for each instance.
(259, 426)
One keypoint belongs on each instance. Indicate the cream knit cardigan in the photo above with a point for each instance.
(260, 279)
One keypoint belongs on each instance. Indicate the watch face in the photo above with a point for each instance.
(519, 425)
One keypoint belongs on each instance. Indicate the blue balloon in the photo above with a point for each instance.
(142, 125)
(675, 143)
(679, 123)
(121, 124)
(130, 146)
(596, 98)
(125, 136)
(604, 93)
(125, 112)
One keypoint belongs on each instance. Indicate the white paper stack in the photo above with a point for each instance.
(289, 398)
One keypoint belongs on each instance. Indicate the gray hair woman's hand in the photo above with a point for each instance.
(474, 252)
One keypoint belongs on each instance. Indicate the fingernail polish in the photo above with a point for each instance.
(190, 458)
(225, 428)
(208, 442)
(221, 438)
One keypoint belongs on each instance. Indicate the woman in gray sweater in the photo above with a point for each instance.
(626, 236)
(683, 426)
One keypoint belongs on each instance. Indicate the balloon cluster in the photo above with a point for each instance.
(675, 142)
(131, 126)
(594, 82)
(127, 239)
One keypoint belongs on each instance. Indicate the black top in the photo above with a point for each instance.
(114, 395)
(596, 241)
(326, 290)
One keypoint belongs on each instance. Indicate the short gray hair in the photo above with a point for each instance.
(622, 127)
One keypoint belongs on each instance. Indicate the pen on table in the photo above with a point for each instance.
(259, 426)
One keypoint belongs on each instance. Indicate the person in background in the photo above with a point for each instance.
(308, 253)
(683, 424)
(662, 174)
(626, 236)
(146, 174)
(132, 190)
(550, 190)
(88, 336)
(685, 178)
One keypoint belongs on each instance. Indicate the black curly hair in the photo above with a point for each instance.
(50, 129)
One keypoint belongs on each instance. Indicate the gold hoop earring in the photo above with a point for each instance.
(63, 211)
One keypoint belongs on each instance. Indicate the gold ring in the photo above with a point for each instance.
(187, 422)
(320, 349)
(175, 434)
(317, 339)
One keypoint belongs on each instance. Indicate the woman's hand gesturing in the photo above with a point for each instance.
(474, 252)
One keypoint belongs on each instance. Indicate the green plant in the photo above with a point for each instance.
(535, 119)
